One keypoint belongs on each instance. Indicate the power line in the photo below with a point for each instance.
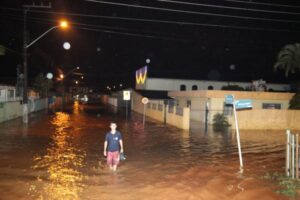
(229, 7)
(265, 4)
(172, 22)
(193, 12)
(102, 29)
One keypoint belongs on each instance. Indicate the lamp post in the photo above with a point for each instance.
(63, 24)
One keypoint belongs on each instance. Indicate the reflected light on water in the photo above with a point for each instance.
(76, 107)
(62, 162)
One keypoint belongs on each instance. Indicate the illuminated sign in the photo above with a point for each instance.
(141, 75)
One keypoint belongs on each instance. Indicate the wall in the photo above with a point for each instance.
(182, 122)
(257, 118)
(13, 109)
(268, 119)
(174, 84)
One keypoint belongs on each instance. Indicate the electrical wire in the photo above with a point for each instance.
(191, 24)
(229, 7)
(194, 12)
(101, 29)
(264, 4)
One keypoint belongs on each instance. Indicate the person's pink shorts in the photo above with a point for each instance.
(113, 158)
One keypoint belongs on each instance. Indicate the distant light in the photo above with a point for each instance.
(121, 85)
(82, 77)
(61, 76)
(98, 49)
(114, 86)
(148, 61)
(76, 82)
(49, 76)
(77, 68)
(67, 45)
(232, 67)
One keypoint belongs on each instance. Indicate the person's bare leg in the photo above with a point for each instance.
(111, 167)
(114, 168)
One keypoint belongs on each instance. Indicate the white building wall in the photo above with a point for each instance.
(174, 84)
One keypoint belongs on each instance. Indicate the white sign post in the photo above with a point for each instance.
(145, 100)
(238, 104)
(126, 97)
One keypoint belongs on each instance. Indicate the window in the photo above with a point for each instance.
(189, 103)
(271, 106)
(182, 87)
(194, 87)
(227, 109)
(210, 87)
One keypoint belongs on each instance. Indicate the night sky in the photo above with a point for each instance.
(226, 40)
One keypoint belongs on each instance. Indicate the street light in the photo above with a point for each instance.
(63, 24)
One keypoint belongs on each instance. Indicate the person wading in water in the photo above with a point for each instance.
(113, 146)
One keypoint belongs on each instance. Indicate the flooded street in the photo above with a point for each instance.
(59, 156)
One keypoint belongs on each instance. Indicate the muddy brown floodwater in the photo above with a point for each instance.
(59, 156)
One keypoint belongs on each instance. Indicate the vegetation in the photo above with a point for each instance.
(287, 186)
(295, 102)
(220, 122)
(232, 87)
(41, 84)
(288, 59)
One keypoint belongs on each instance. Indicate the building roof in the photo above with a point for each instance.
(154, 94)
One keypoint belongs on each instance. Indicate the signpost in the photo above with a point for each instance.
(145, 100)
(126, 97)
(238, 105)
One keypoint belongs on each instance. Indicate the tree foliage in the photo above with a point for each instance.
(220, 122)
(295, 102)
(41, 84)
(232, 87)
(288, 59)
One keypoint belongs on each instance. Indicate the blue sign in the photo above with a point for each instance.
(229, 99)
(243, 104)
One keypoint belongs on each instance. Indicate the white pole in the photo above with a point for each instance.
(144, 113)
(238, 137)
(293, 156)
(288, 153)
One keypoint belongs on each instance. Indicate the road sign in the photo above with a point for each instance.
(145, 100)
(126, 95)
(243, 104)
(229, 99)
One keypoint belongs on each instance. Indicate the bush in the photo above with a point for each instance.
(220, 122)
(232, 87)
(295, 102)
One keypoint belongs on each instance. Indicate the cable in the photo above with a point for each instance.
(229, 7)
(130, 34)
(193, 12)
(105, 30)
(265, 4)
(202, 24)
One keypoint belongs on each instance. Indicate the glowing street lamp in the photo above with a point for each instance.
(61, 76)
(63, 24)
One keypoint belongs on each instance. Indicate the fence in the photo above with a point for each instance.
(292, 155)
(156, 109)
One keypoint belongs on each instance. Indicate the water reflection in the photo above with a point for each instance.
(62, 162)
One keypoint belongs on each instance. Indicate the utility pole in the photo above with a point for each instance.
(25, 73)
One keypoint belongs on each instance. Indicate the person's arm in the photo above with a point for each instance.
(121, 145)
(105, 147)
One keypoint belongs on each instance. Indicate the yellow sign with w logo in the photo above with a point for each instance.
(141, 76)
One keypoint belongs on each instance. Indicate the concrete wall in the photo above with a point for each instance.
(174, 84)
(179, 121)
(13, 109)
(182, 122)
(268, 119)
(257, 118)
